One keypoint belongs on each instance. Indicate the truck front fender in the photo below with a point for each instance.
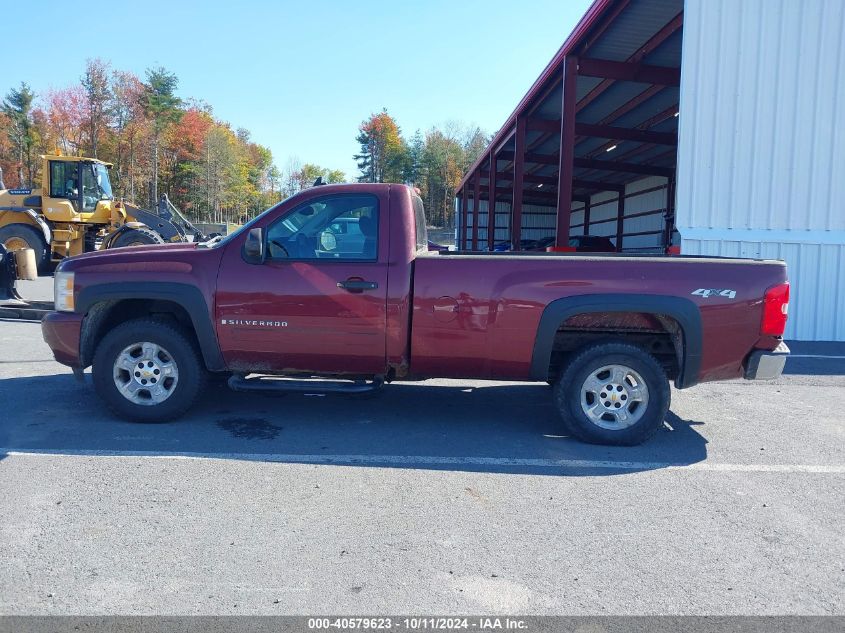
(189, 297)
(684, 311)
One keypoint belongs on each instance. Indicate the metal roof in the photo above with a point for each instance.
(631, 40)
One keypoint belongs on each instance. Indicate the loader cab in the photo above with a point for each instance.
(77, 190)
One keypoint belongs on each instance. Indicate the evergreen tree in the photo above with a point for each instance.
(18, 109)
(163, 107)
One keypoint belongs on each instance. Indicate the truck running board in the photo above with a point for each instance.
(281, 384)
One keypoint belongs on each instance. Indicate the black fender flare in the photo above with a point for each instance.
(682, 310)
(39, 221)
(187, 296)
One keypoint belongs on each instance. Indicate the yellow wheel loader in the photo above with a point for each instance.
(74, 212)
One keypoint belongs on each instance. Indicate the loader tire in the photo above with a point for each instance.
(19, 236)
(137, 237)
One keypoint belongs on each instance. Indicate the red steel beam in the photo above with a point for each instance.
(534, 180)
(543, 125)
(543, 159)
(548, 196)
(567, 150)
(518, 175)
(597, 185)
(626, 134)
(631, 168)
(630, 71)
(659, 118)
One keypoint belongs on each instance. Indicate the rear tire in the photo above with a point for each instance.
(157, 354)
(137, 237)
(19, 236)
(613, 393)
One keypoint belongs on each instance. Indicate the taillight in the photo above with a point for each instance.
(775, 308)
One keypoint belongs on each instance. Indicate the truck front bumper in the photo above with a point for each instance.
(61, 331)
(766, 364)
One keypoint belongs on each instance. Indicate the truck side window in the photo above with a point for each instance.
(342, 227)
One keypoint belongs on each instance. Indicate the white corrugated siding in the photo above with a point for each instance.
(761, 152)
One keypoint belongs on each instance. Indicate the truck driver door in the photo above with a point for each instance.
(318, 301)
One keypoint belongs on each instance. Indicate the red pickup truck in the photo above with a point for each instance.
(338, 282)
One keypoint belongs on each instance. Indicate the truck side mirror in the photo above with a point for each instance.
(253, 250)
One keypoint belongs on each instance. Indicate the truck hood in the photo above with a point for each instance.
(159, 257)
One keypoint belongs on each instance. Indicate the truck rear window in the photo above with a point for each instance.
(419, 221)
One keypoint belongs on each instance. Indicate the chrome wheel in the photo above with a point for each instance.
(145, 374)
(614, 397)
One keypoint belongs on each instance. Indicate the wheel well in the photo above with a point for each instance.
(658, 334)
(106, 315)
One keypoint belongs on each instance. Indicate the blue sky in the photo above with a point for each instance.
(301, 77)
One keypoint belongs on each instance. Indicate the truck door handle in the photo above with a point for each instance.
(357, 285)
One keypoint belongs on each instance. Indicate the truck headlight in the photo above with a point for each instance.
(63, 291)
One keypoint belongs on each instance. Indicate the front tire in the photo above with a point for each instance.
(20, 236)
(613, 393)
(148, 371)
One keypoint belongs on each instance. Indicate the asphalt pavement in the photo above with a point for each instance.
(434, 497)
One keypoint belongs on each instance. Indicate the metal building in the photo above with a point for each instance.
(709, 124)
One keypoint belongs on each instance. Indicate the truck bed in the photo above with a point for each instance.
(489, 305)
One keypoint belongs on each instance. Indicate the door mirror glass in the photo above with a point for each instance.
(253, 251)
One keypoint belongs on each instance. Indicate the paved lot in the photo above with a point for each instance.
(438, 497)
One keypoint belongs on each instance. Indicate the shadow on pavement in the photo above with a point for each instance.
(507, 428)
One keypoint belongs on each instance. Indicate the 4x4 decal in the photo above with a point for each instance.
(714, 292)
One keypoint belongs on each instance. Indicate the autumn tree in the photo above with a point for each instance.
(17, 107)
(128, 123)
(384, 153)
(95, 82)
(162, 106)
(66, 119)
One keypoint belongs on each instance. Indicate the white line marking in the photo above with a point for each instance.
(815, 356)
(435, 460)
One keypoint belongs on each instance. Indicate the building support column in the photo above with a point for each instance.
(620, 218)
(669, 218)
(518, 175)
(491, 202)
(567, 150)
(462, 233)
(587, 216)
(476, 203)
